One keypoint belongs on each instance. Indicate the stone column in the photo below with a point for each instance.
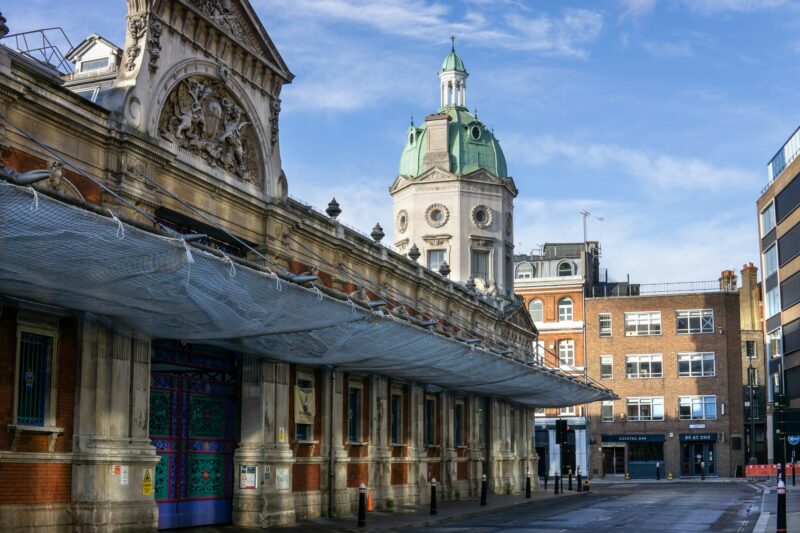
(111, 429)
(249, 504)
(381, 471)
(418, 469)
(277, 492)
(336, 498)
(554, 452)
(449, 454)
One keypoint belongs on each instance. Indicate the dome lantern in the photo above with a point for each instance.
(453, 79)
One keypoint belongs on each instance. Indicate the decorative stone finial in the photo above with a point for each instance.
(470, 284)
(3, 27)
(413, 253)
(377, 233)
(333, 209)
(444, 269)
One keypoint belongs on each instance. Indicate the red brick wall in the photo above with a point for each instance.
(65, 401)
(35, 483)
(433, 471)
(461, 471)
(357, 473)
(399, 474)
(305, 477)
(24, 162)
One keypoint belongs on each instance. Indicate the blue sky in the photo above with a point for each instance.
(658, 116)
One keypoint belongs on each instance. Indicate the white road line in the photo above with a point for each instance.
(761, 525)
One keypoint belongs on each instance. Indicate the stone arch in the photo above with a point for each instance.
(218, 75)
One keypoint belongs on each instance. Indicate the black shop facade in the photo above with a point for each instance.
(647, 456)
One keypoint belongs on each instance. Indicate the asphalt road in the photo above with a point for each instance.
(641, 508)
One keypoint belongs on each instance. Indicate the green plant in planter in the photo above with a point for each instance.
(457, 495)
(389, 505)
(508, 489)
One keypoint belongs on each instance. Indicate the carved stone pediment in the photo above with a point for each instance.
(401, 245)
(437, 240)
(201, 116)
(238, 20)
(481, 242)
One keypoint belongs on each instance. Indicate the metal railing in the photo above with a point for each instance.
(607, 290)
(783, 158)
(39, 45)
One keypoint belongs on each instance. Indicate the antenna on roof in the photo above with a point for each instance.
(586, 214)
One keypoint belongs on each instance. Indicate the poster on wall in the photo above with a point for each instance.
(282, 478)
(247, 476)
(124, 475)
(147, 483)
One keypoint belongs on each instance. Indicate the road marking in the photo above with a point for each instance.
(761, 525)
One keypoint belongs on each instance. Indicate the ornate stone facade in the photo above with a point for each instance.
(202, 117)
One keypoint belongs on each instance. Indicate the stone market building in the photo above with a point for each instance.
(183, 344)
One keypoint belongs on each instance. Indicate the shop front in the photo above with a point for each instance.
(643, 453)
(698, 454)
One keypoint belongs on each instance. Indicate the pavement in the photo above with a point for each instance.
(723, 505)
(768, 519)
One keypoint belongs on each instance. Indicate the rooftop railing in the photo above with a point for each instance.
(40, 45)
(788, 153)
(607, 290)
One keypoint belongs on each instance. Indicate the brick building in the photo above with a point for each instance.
(672, 354)
(183, 344)
(552, 282)
(754, 375)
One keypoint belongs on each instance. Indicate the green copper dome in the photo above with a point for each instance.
(471, 145)
(453, 62)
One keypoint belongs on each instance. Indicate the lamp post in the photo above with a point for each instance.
(752, 417)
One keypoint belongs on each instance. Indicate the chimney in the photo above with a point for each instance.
(749, 275)
(438, 154)
(727, 282)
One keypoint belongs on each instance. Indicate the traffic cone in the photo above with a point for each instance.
(369, 500)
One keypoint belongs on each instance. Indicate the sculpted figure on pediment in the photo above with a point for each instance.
(201, 116)
(221, 13)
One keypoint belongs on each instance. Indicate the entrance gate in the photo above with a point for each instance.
(194, 427)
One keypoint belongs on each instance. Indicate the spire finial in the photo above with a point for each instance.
(412, 119)
(453, 43)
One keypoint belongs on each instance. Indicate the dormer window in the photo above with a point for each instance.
(94, 64)
(524, 271)
(565, 269)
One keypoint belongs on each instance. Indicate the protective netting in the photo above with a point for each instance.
(63, 255)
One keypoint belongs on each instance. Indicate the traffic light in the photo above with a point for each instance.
(561, 431)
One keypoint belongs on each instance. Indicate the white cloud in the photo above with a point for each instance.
(670, 50)
(567, 34)
(658, 171)
(741, 6)
(637, 8)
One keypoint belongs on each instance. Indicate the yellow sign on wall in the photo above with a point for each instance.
(147, 483)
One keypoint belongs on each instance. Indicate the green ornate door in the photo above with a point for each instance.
(193, 425)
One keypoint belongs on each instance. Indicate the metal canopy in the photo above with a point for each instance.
(67, 256)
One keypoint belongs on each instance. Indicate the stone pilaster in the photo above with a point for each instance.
(277, 492)
(111, 428)
(249, 504)
(381, 471)
(334, 470)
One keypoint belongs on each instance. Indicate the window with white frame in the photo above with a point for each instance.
(524, 271)
(566, 352)
(774, 343)
(536, 309)
(565, 269)
(695, 321)
(36, 389)
(606, 366)
(354, 395)
(696, 364)
(645, 409)
(773, 301)
(94, 64)
(607, 411)
(643, 323)
(771, 261)
(564, 309)
(605, 324)
(644, 366)
(435, 259)
(767, 219)
(480, 265)
(697, 407)
(567, 411)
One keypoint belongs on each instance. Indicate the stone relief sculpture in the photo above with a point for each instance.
(154, 45)
(201, 116)
(220, 12)
(275, 110)
(136, 26)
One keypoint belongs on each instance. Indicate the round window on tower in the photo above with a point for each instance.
(436, 215)
(402, 221)
(482, 216)
(475, 132)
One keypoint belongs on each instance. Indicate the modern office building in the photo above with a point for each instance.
(672, 353)
(779, 233)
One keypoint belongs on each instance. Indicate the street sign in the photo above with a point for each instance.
(794, 440)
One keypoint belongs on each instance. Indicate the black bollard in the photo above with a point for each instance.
(569, 485)
(555, 483)
(545, 480)
(794, 481)
(658, 471)
(781, 508)
(483, 490)
(433, 496)
(580, 481)
(362, 505)
(528, 485)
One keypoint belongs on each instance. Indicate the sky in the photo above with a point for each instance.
(657, 116)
